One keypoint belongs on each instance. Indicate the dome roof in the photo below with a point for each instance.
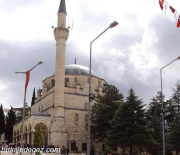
(75, 69)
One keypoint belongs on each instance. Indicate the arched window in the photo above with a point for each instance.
(76, 118)
(86, 118)
(85, 105)
(75, 80)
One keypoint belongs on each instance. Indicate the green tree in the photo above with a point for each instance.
(92, 149)
(154, 118)
(38, 136)
(103, 111)
(10, 121)
(175, 135)
(107, 148)
(33, 98)
(2, 120)
(129, 125)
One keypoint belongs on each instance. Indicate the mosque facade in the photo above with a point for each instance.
(61, 106)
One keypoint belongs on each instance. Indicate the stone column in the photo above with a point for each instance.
(27, 138)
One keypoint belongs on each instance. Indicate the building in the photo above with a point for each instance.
(61, 106)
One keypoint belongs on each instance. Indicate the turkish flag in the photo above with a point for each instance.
(172, 9)
(178, 24)
(27, 79)
(161, 2)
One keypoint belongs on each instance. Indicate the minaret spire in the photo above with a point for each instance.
(62, 14)
(62, 7)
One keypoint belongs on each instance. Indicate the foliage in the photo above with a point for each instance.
(33, 98)
(175, 135)
(103, 112)
(10, 121)
(154, 118)
(38, 136)
(2, 120)
(92, 149)
(129, 126)
(107, 148)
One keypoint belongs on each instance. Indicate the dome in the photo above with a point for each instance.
(75, 69)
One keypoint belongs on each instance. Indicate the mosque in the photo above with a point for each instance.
(61, 106)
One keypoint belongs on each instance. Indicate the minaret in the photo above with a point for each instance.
(58, 128)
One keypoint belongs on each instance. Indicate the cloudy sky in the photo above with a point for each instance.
(127, 56)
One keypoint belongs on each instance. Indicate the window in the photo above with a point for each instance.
(86, 118)
(84, 146)
(75, 80)
(53, 82)
(66, 82)
(103, 147)
(85, 105)
(73, 146)
(39, 109)
(76, 118)
(42, 108)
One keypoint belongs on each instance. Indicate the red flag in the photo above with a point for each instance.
(172, 9)
(161, 2)
(27, 79)
(178, 24)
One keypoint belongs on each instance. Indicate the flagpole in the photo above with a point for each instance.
(22, 125)
(25, 90)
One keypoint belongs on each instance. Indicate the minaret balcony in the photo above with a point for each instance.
(61, 33)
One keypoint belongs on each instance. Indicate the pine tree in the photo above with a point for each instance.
(33, 98)
(129, 125)
(154, 118)
(2, 120)
(175, 135)
(10, 121)
(38, 136)
(103, 112)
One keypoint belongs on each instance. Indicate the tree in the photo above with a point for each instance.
(175, 135)
(103, 112)
(2, 120)
(129, 125)
(38, 136)
(173, 118)
(10, 121)
(92, 149)
(33, 98)
(154, 118)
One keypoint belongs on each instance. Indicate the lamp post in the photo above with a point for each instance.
(113, 24)
(26, 83)
(163, 110)
(74, 133)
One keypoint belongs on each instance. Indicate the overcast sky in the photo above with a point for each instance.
(127, 56)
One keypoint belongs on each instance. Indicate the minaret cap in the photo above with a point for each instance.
(62, 7)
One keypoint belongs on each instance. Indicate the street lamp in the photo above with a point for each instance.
(113, 24)
(74, 133)
(163, 110)
(26, 83)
